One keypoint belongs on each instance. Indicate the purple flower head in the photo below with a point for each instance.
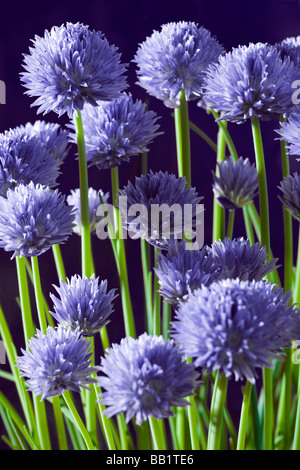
(290, 132)
(117, 130)
(145, 377)
(180, 271)
(290, 187)
(238, 259)
(174, 59)
(236, 326)
(236, 185)
(57, 361)
(94, 202)
(290, 47)
(52, 135)
(32, 219)
(251, 81)
(70, 66)
(24, 157)
(163, 202)
(83, 303)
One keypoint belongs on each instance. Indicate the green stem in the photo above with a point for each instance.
(217, 412)
(61, 433)
(296, 299)
(166, 319)
(60, 268)
(248, 225)
(230, 224)
(158, 440)
(244, 416)
(265, 241)
(86, 249)
(182, 132)
(262, 184)
(24, 298)
(19, 381)
(38, 294)
(156, 301)
(147, 278)
(78, 420)
(122, 265)
(218, 211)
(105, 421)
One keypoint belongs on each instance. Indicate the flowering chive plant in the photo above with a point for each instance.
(216, 311)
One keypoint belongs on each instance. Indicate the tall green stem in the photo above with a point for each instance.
(24, 298)
(86, 249)
(121, 263)
(244, 416)
(60, 268)
(217, 412)
(182, 132)
(78, 420)
(158, 440)
(265, 241)
(218, 211)
(230, 223)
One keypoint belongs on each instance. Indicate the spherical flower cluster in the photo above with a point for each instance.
(239, 259)
(145, 377)
(290, 187)
(236, 185)
(180, 271)
(236, 326)
(70, 66)
(96, 198)
(55, 138)
(117, 130)
(290, 47)
(290, 132)
(251, 81)
(56, 361)
(32, 219)
(24, 157)
(174, 59)
(156, 196)
(83, 303)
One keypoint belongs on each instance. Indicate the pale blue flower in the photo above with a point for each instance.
(96, 198)
(145, 377)
(83, 303)
(156, 191)
(251, 81)
(174, 59)
(237, 258)
(57, 361)
(290, 187)
(235, 327)
(117, 130)
(32, 219)
(237, 184)
(180, 271)
(69, 66)
(290, 133)
(24, 157)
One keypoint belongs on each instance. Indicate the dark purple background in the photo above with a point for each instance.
(126, 24)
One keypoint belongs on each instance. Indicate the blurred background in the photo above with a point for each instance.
(126, 24)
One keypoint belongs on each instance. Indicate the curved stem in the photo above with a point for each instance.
(182, 132)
